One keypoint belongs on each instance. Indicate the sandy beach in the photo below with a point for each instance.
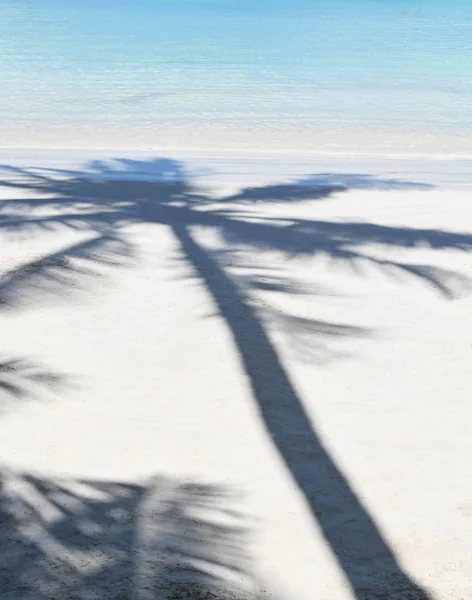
(235, 375)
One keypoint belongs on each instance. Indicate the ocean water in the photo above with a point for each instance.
(260, 70)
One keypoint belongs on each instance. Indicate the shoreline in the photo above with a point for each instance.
(203, 151)
(220, 139)
(246, 167)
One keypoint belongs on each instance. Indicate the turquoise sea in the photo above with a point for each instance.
(370, 65)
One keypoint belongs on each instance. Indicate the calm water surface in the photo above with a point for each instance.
(367, 64)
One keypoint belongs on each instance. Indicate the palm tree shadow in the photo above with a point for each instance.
(368, 563)
(84, 540)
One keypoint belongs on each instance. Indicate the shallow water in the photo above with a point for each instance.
(267, 65)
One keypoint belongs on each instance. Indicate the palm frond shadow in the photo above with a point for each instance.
(63, 271)
(85, 540)
(344, 243)
(319, 187)
(312, 340)
(159, 192)
(24, 379)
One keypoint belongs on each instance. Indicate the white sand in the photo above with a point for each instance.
(341, 444)
(332, 140)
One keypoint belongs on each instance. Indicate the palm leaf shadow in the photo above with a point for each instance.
(24, 379)
(62, 271)
(164, 538)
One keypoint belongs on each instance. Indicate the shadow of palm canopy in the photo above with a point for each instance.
(73, 539)
(105, 196)
(99, 203)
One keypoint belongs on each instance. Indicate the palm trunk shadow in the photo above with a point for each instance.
(363, 554)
